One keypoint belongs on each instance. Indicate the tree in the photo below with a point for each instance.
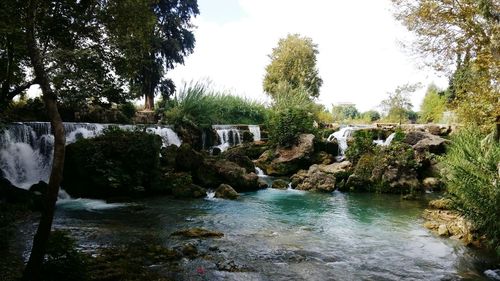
(433, 105)
(397, 106)
(159, 36)
(344, 112)
(293, 63)
(370, 115)
(460, 37)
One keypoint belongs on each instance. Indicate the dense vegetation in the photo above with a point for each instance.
(471, 172)
(196, 103)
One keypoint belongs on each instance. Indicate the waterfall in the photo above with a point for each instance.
(387, 141)
(255, 130)
(259, 172)
(341, 136)
(26, 149)
(228, 136)
(167, 135)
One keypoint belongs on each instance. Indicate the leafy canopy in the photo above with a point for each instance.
(293, 62)
(433, 105)
(463, 37)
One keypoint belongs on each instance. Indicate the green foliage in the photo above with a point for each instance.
(117, 163)
(293, 62)
(362, 144)
(62, 260)
(343, 112)
(469, 30)
(397, 106)
(128, 109)
(150, 37)
(290, 116)
(471, 174)
(196, 103)
(433, 105)
(370, 116)
(399, 136)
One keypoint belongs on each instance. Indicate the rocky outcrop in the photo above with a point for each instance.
(226, 191)
(198, 233)
(189, 191)
(241, 159)
(426, 142)
(280, 184)
(286, 161)
(14, 195)
(449, 224)
(214, 172)
(115, 164)
(321, 178)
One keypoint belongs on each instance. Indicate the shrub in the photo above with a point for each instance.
(291, 116)
(472, 178)
(117, 163)
(362, 143)
(128, 109)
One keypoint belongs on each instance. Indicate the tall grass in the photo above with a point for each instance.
(471, 172)
(197, 103)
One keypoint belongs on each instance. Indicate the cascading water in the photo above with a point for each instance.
(255, 130)
(228, 135)
(387, 141)
(341, 136)
(26, 148)
(168, 136)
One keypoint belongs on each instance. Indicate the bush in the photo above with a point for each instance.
(117, 163)
(128, 109)
(291, 116)
(362, 143)
(472, 179)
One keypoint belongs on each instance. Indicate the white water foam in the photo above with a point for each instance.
(26, 149)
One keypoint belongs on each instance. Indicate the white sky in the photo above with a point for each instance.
(359, 59)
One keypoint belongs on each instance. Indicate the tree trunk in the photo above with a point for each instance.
(150, 101)
(32, 270)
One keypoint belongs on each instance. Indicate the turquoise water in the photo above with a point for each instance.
(286, 235)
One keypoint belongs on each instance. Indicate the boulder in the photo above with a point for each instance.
(426, 142)
(252, 150)
(241, 159)
(322, 157)
(14, 195)
(187, 159)
(189, 191)
(321, 178)
(280, 184)
(40, 187)
(226, 191)
(214, 172)
(449, 223)
(288, 160)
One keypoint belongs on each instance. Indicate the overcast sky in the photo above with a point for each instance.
(360, 58)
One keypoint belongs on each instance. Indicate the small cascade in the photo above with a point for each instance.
(228, 135)
(26, 148)
(260, 172)
(210, 195)
(168, 136)
(341, 136)
(387, 141)
(255, 130)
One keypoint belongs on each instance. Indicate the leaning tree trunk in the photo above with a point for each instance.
(32, 270)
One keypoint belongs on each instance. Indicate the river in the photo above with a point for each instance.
(285, 235)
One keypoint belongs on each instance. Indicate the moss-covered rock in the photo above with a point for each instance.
(117, 163)
(226, 191)
(214, 172)
(280, 184)
(287, 160)
(198, 233)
